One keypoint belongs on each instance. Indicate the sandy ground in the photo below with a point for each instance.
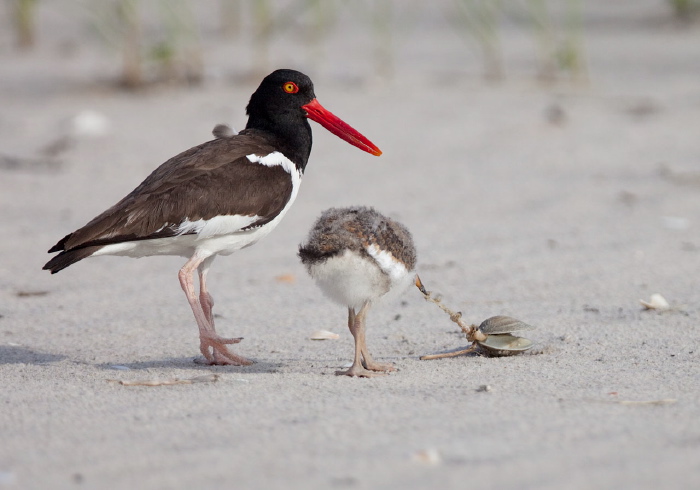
(563, 222)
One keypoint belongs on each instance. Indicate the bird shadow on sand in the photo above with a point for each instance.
(189, 363)
(17, 354)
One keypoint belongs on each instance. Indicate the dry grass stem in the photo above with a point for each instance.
(665, 401)
(455, 353)
(456, 316)
(208, 378)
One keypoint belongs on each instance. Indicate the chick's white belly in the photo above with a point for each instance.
(352, 280)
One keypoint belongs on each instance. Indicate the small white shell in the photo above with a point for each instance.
(656, 302)
(324, 335)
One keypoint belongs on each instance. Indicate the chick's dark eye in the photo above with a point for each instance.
(290, 87)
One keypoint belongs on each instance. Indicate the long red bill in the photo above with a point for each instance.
(316, 112)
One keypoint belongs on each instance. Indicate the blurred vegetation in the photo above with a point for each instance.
(22, 13)
(481, 18)
(170, 53)
(685, 9)
(159, 40)
(560, 46)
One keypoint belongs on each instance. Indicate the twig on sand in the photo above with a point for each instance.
(665, 401)
(167, 382)
(454, 353)
(470, 331)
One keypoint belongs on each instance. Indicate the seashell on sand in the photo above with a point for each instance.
(656, 302)
(504, 345)
(503, 324)
(324, 335)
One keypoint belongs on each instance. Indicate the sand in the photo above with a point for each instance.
(559, 204)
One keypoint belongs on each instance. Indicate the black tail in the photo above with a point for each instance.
(69, 257)
(61, 245)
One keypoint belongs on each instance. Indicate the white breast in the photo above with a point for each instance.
(352, 279)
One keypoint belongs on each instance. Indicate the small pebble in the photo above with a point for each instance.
(89, 123)
(430, 457)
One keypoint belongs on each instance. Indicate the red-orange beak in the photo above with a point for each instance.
(316, 112)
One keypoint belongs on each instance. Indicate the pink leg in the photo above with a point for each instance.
(212, 346)
(363, 365)
(205, 299)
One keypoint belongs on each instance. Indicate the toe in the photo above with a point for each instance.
(229, 340)
(224, 357)
(359, 372)
(377, 366)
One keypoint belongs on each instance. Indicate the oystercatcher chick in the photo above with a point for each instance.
(217, 197)
(359, 257)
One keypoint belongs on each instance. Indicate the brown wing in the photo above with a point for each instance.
(211, 179)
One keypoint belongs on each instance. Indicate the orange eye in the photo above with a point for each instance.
(290, 88)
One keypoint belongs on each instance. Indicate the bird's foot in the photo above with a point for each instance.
(378, 366)
(359, 371)
(216, 353)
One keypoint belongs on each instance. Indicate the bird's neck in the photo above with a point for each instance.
(293, 138)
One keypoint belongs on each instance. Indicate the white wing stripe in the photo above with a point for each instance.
(273, 159)
(387, 262)
(218, 225)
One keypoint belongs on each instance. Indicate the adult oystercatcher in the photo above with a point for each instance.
(358, 257)
(217, 197)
